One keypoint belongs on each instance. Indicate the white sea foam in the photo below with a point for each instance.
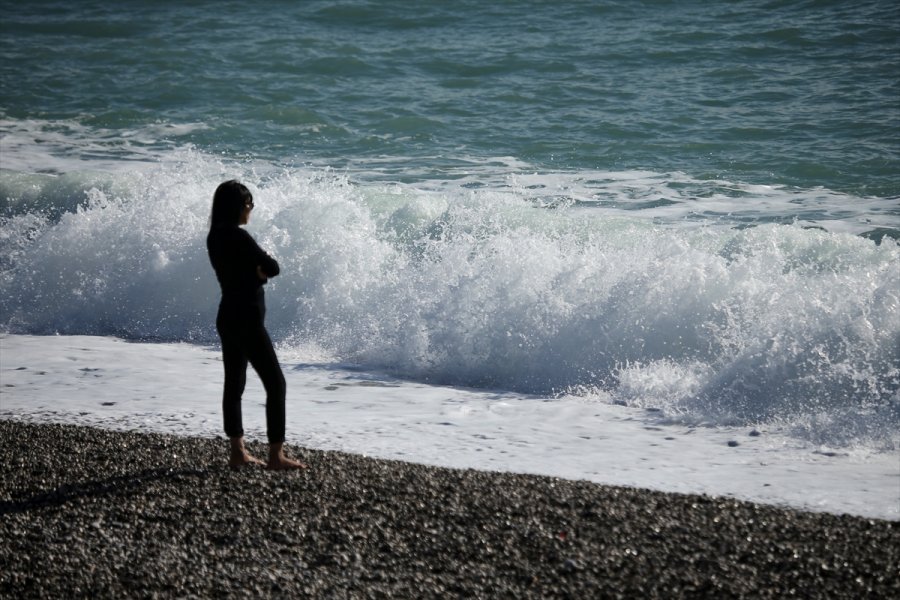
(175, 388)
(66, 146)
(672, 198)
(483, 286)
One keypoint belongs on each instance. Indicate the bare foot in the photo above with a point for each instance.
(239, 455)
(283, 463)
(279, 462)
(244, 459)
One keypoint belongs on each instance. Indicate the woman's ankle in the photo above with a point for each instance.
(237, 445)
(276, 450)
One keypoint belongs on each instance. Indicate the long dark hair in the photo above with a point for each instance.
(228, 203)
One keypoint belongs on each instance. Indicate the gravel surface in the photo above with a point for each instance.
(90, 512)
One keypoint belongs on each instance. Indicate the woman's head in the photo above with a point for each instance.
(232, 203)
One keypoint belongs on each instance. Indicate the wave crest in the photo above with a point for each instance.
(481, 287)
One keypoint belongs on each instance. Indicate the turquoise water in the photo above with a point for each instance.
(795, 93)
(687, 206)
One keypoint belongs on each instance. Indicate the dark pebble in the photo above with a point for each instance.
(94, 513)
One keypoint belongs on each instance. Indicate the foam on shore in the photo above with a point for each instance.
(176, 388)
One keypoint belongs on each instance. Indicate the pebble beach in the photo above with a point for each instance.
(88, 512)
(576, 299)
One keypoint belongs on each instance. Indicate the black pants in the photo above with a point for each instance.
(246, 340)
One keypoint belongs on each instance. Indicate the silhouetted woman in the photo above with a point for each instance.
(242, 268)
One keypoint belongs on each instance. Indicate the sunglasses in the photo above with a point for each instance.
(249, 204)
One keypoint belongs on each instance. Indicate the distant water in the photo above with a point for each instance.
(690, 206)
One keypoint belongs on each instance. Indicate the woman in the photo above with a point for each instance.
(242, 268)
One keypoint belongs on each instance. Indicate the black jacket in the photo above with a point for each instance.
(235, 255)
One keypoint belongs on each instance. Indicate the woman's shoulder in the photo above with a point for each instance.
(228, 231)
(222, 237)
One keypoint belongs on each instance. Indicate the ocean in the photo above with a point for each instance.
(688, 208)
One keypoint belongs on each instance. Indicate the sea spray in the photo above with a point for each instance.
(481, 287)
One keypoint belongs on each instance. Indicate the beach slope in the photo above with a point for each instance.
(92, 512)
